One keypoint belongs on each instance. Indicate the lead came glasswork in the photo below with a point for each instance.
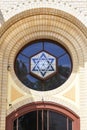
(43, 64)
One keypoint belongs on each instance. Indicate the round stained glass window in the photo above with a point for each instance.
(43, 65)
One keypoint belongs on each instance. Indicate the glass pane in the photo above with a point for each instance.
(15, 125)
(42, 120)
(54, 49)
(57, 121)
(70, 124)
(45, 120)
(28, 121)
(47, 71)
(32, 49)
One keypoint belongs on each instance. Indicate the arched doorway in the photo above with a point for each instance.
(42, 116)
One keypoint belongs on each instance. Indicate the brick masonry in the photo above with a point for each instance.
(36, 24)
(77, 8)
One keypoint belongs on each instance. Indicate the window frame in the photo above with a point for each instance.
(45, 106)
(50, 76)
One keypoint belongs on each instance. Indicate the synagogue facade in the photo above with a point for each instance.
(43, 65)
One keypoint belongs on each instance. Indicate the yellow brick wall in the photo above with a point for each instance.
(36, 24)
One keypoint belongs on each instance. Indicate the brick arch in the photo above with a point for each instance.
(36, 24)
(42, 25)
(42, 105)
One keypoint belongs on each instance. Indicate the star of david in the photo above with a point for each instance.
(43, 64)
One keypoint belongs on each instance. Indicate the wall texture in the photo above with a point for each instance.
(77, 8)
(66, 23)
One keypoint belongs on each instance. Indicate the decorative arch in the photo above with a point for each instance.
(39, 24)
(42, 105)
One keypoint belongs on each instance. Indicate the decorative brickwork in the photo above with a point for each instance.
(77, 8)
(39, 24)
(1, 18)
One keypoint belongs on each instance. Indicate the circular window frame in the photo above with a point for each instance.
(38, 32)
(48, 77)
(55, 91)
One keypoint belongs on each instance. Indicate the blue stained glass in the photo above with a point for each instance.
(32, 49)
(65, 61)
(43, 60)
(54, 49)
(43, 64)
